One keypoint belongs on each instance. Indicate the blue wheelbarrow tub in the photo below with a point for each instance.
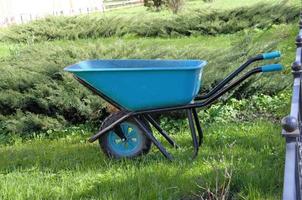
(143, 84)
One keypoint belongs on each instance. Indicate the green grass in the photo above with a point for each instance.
(71, 168)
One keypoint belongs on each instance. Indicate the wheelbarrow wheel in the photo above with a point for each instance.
(135, 144)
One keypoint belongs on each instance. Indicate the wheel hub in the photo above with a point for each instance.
(130, 141)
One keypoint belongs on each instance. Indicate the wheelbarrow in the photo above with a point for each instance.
(140, 88)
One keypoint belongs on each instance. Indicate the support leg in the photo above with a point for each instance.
(199, 129)
(160, 130)
(153, 139)
(193, 132)
(111, 126)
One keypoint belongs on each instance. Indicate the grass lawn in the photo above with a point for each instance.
(249, 155)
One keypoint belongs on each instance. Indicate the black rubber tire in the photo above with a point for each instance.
(103, 140)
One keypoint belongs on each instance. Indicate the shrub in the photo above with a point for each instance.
(36, 95)
(234, 110)
(26, 123)
(39, 89)
(197, 22)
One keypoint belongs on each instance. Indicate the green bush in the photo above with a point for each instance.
(255, 107)
(36, 95)
(197, 22)
(234, 110)
(34, 87)
(28, 122)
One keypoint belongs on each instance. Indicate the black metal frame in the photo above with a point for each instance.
(200, 101)
(291, 131)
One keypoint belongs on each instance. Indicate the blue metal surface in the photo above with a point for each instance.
(272, 68)
(128, 147)
(271, 55)
(143, 84)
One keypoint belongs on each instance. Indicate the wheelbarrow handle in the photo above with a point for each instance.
(231, 76)
(271, 55)
(272, 68)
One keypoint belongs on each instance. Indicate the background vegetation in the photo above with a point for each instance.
(193, 22)
(36, 95)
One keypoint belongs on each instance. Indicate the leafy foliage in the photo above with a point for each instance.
(234, 111)
(36, 95)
